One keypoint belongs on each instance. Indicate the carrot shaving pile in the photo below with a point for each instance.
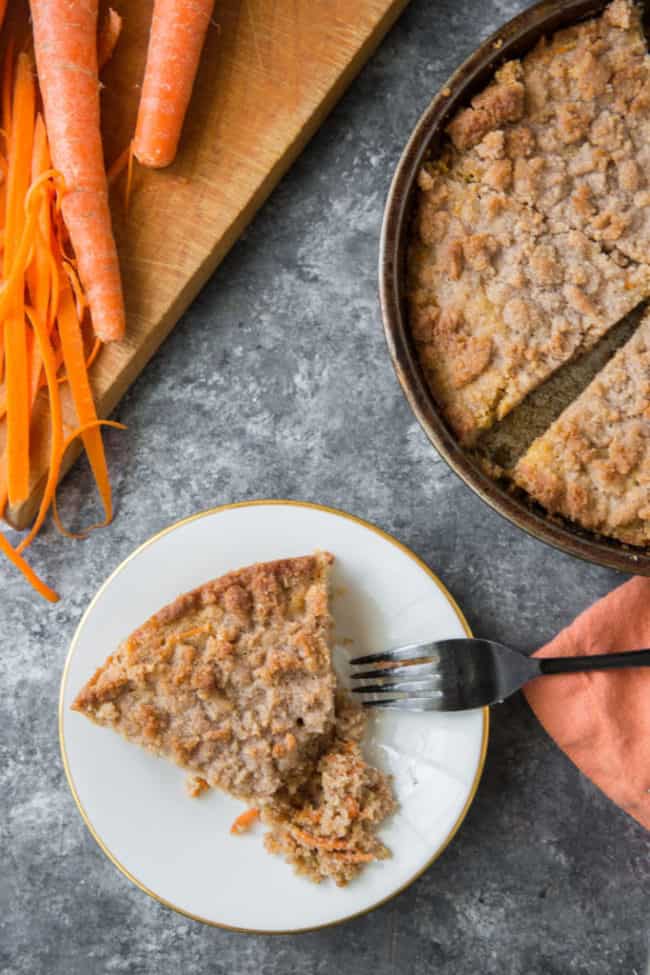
(45, 339)
(56, 309)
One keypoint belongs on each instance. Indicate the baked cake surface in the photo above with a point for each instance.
(233, 681)
(593, 464)
(531, 235)
(498, 301)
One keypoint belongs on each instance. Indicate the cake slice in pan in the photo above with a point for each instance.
(593, 464)
(233, 681)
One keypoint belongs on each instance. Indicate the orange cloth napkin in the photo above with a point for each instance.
(602, 720)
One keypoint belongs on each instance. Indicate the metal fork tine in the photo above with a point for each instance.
(428, 684)
(409, 704)
(409, 652)
(430, 669)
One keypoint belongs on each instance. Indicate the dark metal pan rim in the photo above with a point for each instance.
(514, 39)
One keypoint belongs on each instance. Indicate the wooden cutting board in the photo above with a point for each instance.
(270, 73)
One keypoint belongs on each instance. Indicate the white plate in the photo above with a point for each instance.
(180, 850)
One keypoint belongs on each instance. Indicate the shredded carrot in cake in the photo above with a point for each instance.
(351, 857)
(196, 785)
(352, 807)
(188, 634)
(317, 842)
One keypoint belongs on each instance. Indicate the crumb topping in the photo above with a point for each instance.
(234, 682)
(532, 230)
(531, 238)
(593, 464)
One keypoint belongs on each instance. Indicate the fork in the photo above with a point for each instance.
(461, 674)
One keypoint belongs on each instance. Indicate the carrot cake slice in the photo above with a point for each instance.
(233, 681)
(498, 301)
(593, 464)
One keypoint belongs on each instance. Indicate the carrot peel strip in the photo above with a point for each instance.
(77, 290)
(27, 571)
(21, 258)
(129, 177)
(7, 85)
(94, 352)
(75, 367)
(81, 431)
(56, 426)
(98, 345)
(15, 335)
(118, 165)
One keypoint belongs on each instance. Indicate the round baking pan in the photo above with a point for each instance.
(513, 40)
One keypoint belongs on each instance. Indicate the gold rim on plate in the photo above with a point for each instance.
(154, 538)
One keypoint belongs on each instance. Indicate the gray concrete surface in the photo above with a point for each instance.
(277, 383)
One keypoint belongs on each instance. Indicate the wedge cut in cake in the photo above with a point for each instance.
(498, 301)
(593, 464)
(233, 681)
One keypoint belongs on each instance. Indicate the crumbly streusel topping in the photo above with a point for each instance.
(593, 464)
(234, 682)
(532, 232)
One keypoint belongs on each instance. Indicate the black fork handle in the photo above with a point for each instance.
(599, 661)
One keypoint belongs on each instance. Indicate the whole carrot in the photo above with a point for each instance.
(177, 33)
(65, 43)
